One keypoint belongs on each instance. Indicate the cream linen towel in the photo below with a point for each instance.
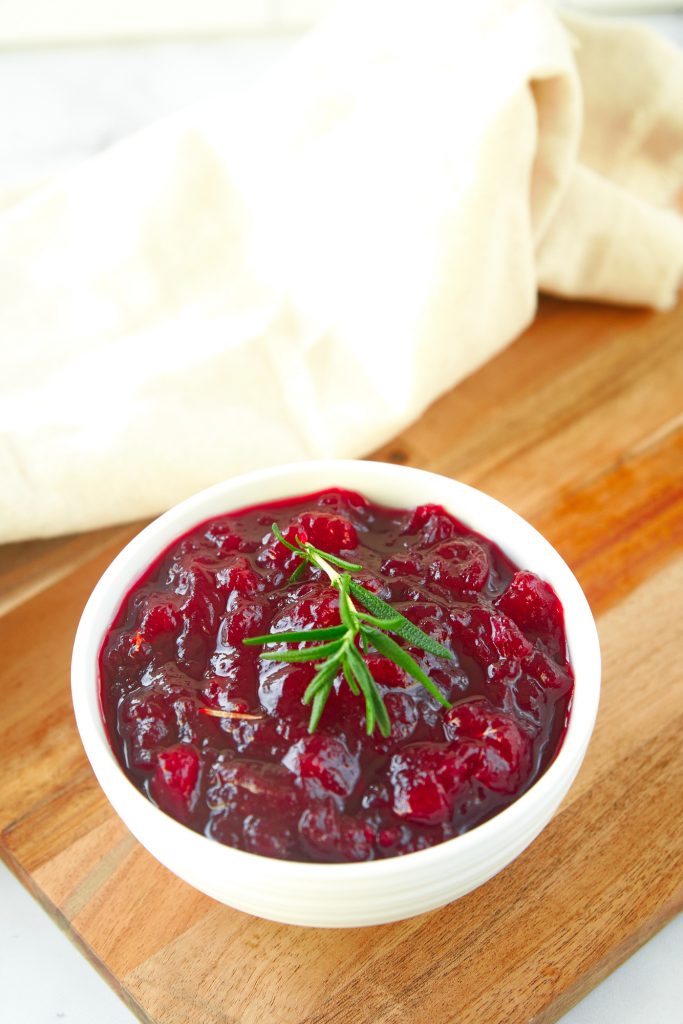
(300, 273)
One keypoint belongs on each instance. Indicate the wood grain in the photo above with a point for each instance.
(579, 426)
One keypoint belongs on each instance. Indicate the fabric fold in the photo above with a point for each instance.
(300, 272)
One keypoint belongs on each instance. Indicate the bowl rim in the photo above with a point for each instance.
(143, 548)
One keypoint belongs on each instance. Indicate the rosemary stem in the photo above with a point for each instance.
(335, 580)
(339, 651)
(316, 559)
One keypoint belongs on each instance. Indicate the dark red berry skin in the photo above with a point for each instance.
(264, 784)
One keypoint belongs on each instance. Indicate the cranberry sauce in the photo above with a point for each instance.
(263, 783)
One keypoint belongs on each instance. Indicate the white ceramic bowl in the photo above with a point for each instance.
(340, 895)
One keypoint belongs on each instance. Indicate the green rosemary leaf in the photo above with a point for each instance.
(319, 702)
(390, 649)
(339, 651)
(369, 708)
(298, 572)
(323, 676)
(277, 532)
(348, 676)
(357, 666)
(383, 719)
(381, 713)
(341, 563)
(375, 708)
(346, 611)
(307, 654)
(327, 633)
(404, 627)
(385, 624)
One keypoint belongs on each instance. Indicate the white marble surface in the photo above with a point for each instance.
(58, 106)
(59, 21)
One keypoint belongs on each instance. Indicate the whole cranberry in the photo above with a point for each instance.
(175, 784)
(501, 677)
(221, 693)
(159, 614)
(329, 532)
(460, 566)
(333, 836)
(145, 723)
(320, 829)
(244, 617)
(403, 565)
(387, 672)
(238, 576)
(126, 654)
(223, 535)
(488, 636)
(252, 784)
(432, 524)
(532, 604)
(529, 700)
(270, 836)
(547, 673)
(325, 761)
(505, 750)
(427, 779)
(313, 606)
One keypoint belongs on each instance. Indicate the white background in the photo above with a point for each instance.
(58, 105)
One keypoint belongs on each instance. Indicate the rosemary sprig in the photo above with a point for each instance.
(337, 650)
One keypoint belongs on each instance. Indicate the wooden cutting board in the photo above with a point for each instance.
(579, 426)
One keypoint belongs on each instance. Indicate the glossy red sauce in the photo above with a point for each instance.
(265, 784)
